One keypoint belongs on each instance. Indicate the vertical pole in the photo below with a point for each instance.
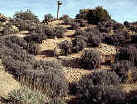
(58, 11)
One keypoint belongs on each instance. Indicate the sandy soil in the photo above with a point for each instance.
(7, 82)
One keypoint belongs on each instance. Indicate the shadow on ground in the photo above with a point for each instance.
(47, 53)
(3, 100)
(73, 63)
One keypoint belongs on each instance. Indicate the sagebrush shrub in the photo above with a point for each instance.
(94, 36)
(132, 75)
(37, 38)
(101, 87)
(132, 97)
(53, 32)
(22, 24)
(116, 40)
(9, 29)
(127, 53)
(94, 41)
(105, 26)
(15, 67)
(75, 25)
(105, 78)
(118, 26)
(83, 23)
(79, 32)
(38, 28)
(90, 59)
(59, 31)
(49, 78)
(66, 47)
(78, 44)
(33, 48)
(14, 42)
(134, 39)
(91, 36)
(122, 68)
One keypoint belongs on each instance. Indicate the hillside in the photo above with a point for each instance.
(86, 60)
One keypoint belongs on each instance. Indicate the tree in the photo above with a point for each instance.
(26, 15)
(97, 15)
(47, 17)
(94, 16)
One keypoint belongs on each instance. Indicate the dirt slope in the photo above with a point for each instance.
(7, 83)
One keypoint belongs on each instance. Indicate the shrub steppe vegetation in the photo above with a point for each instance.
(58, 62)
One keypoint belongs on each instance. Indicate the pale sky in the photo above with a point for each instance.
(120, 10)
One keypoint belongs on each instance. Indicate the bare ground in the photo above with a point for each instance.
(7, 82)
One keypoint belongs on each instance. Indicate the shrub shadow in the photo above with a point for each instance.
(47, 53)
(4, 100)
(73, 63)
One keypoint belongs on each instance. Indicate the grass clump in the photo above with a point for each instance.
(25, 95)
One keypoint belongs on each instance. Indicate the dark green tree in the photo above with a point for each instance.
(94, 16)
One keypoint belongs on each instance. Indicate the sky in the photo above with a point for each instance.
(120, 10)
